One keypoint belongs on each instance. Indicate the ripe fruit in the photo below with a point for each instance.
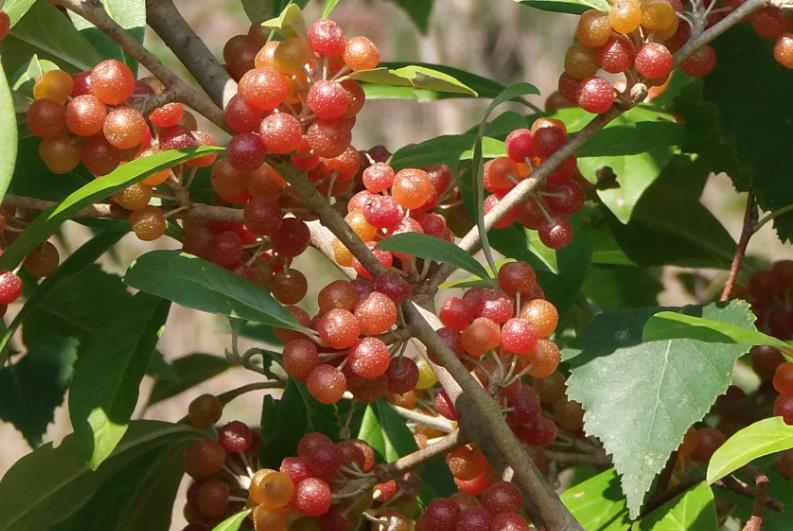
(616, 55)
(593, 28)
(312, 497)
(263, 215)
(654, 61)
(376, 314)
(263, 88)
(212, 498)
(300, 357)
(85, 115)
(280, 132)
(148, 223)
(271, 489)
(657, 15)
(112, 82)
(204, 411)
(596, 95)
(60, 155)
(361, 54)
(480, 337)
(580, 62)
(235, 437)
(541, 315)
(10, 287)
(55, 85)
(783, 50)
(328, 99)
(517, 277)
(205, 459)
(708, 441)
(45, 118)
(369, 358)
(5, 24)
(544, 359)
(625, 16)
(125, 128)
(325, 37)
(327, 384)
(134, 196)
(411, 188)
(42, 261)
(518, 336)
(246, 152)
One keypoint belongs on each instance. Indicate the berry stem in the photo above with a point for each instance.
(438, 423)
(749, 222)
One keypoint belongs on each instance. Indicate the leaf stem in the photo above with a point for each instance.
(772, 216)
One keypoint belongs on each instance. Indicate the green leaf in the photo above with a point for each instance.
(664, 387)
(371, 432)
(191, 370)
(759, 128)
(767, 436)
(16, 9)
(8, 135)
(575, 7)
(693, 237)
(429, 247)
(83, 256)
(397, 441)
(45, 28)
(50, 484)
(417, 77)
(32, 388)
(46, 223)
(201, 285)
(129, 14)
(597, 503)
(694, 510)
(79, 306)
(447, 149)
(330, 5)
(140, 495)
(289, 22)
(636, 146)
(418, 11)
(672, 325)
(108, 373)
(484, 87)
(286, 420)
(622, 286)
(233, 523)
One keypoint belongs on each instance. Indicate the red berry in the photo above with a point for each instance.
(262, 215)
(769, 22)
(393, 286)
(596, 95)
(509, 522)
(246, 152)
(328, 100)
(263, 88)
(325, 37)
(557, 233)
(327, 384)
(235, 437)
(481, 336)
(455, 313)
(46, 119)
(444, 406)
(475, 519)
(295, 468)
(112, 82)
(403, 375)
(517, 277)
(616, 56)
(378, 177)
(654, 61)
(502, 497)
(701, 62)
(376, 314)
(369, 358)
(5, 24)
(520, 145)
(442, 515)
(241, 116)
(783, 379)
(168, 115)
(300, 357)
(312, 497)
(518, 336)
(281, 133)
(291, 238)
(10, 287)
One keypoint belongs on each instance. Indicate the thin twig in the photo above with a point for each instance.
(749, 220)
(439, 423)
(755, 522)
(167, 21)
(93, 12)
(740, 487)
(441, 447)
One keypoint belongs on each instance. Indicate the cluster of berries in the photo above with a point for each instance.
(92, 119)
(771, 294)
(396, 202)
(561, 194)
(346, 353)
(294, 101)
(497, 509)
